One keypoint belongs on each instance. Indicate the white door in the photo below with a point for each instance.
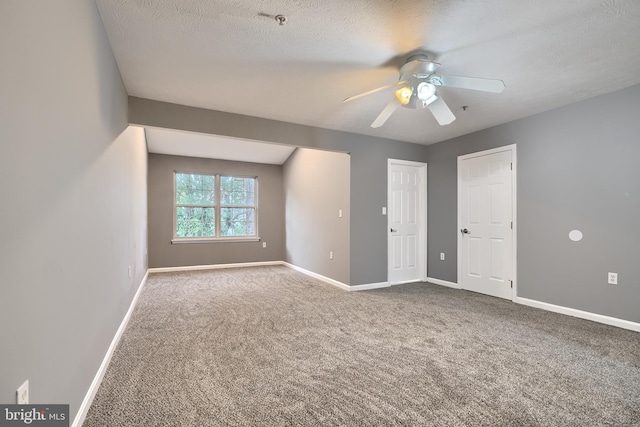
(485, 220)
(406, 221)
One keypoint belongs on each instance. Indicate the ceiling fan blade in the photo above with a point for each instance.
(351, 98)
(441, 112)
(386, 113)
(474, 83)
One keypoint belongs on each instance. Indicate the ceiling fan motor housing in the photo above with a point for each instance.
(419, 66)
(418, 69)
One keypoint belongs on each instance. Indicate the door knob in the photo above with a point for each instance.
(465, 231)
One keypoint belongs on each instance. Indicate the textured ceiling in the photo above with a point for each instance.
(231, 55)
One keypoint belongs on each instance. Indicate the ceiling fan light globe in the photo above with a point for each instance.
(425, 91)
(403, 95)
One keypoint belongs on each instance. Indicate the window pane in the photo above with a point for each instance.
(209, 196)
(209, 230)
(226, 189)
(209, 223)
(195, 182)
(182, 181)
(249, 198)
(188, 223)
(195, 222)
(208, 182)
(237, 222)
(237, 191)
(195, 189)
(182, 196)
(196, 197)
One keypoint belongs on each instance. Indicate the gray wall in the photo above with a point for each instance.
(73, 199)
(160, 201)
(316, 187)
(369, 156)
(577, 169)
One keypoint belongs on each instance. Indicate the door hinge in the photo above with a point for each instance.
(511, 281)
(511, 166)
(512, 225)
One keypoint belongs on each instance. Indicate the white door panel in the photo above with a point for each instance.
(396, 245)
(496, 262)
(486, 211)
(474, 257)
(406, 221)
(412, 251)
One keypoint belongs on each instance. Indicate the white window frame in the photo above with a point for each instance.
(217, 208)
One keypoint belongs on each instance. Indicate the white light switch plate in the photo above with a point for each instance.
(22, 395)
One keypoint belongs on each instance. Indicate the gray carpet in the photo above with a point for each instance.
(269, 346)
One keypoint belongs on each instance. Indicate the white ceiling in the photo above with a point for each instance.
(231, 55)
(178, 143)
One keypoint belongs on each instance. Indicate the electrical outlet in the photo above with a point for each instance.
(264, 244)
(441, 256)
(331, 255)
(22, 394)
(613, 278)
(130, 271)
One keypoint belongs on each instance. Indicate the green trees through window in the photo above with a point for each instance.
(236, 217)
(215, 206)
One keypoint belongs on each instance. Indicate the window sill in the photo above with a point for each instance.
(217, 240)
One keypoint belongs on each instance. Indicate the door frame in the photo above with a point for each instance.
(422, 245)
(514, 199)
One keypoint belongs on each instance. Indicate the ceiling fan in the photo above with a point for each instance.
(417, 86)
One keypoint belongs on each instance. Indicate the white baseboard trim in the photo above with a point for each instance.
(97, 380)
(212, 266)
(613, 321)
(406, 282)
(368, 286)
(443, 283)
(336, 283)
(325, 279)
(340, 285)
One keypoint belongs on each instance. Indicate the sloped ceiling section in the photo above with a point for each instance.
(176, 143)
(233, 56)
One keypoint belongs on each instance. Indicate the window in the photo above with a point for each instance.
(215, 207)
